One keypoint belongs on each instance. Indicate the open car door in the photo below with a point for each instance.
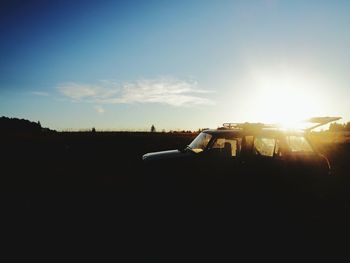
(320, 121)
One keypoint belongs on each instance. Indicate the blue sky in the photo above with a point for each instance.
(174, 64)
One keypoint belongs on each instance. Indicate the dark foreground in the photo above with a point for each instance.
(73, 188)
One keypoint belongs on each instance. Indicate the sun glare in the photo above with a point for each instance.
(284, 97)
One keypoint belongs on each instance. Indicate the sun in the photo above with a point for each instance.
(284, 97)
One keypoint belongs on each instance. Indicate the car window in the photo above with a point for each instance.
(298, 144)
(200, 142)
(219, 143)
(264, 146)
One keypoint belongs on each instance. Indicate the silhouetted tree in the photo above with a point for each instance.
(93, 130)
(153, 129)
(347, 126)
(335, 127)
(10, 125)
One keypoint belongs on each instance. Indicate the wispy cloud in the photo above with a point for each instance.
(163, 91)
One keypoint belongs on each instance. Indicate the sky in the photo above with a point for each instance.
(125, 65)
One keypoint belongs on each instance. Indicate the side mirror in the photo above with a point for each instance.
(182, 149)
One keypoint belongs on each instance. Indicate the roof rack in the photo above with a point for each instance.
(247, 125)
(317, 121)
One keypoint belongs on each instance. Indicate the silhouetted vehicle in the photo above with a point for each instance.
(253, 149)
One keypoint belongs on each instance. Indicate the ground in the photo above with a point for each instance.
(98, 178)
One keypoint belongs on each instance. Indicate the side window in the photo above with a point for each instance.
(220, 144)
(264, 146)
(298, 144)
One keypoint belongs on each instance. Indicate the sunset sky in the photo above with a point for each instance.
(175, 64)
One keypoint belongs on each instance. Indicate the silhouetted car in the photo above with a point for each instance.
(245, 148)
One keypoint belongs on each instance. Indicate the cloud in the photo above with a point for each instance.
(99, 109)
(77, 91)
(165, 91)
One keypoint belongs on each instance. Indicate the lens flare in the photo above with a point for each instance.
(285, 97)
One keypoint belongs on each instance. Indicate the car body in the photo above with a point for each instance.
(253, 149)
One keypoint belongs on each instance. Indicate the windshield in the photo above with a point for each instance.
(298, 144)
(200, 142)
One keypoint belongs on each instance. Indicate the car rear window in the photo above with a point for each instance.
(298, 144)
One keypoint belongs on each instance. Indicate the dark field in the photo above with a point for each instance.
(99, 178)
(108, 161)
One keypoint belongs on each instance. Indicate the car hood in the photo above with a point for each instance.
(164, 155)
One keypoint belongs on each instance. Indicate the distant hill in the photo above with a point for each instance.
(15, 125)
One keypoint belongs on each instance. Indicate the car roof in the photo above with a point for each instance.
(263, 131)
(247, 128)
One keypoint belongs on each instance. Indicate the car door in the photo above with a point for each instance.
(218, 162)
(258, 155)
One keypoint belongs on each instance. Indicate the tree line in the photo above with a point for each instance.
(10, 125)
(15, 125)
(339, 127)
